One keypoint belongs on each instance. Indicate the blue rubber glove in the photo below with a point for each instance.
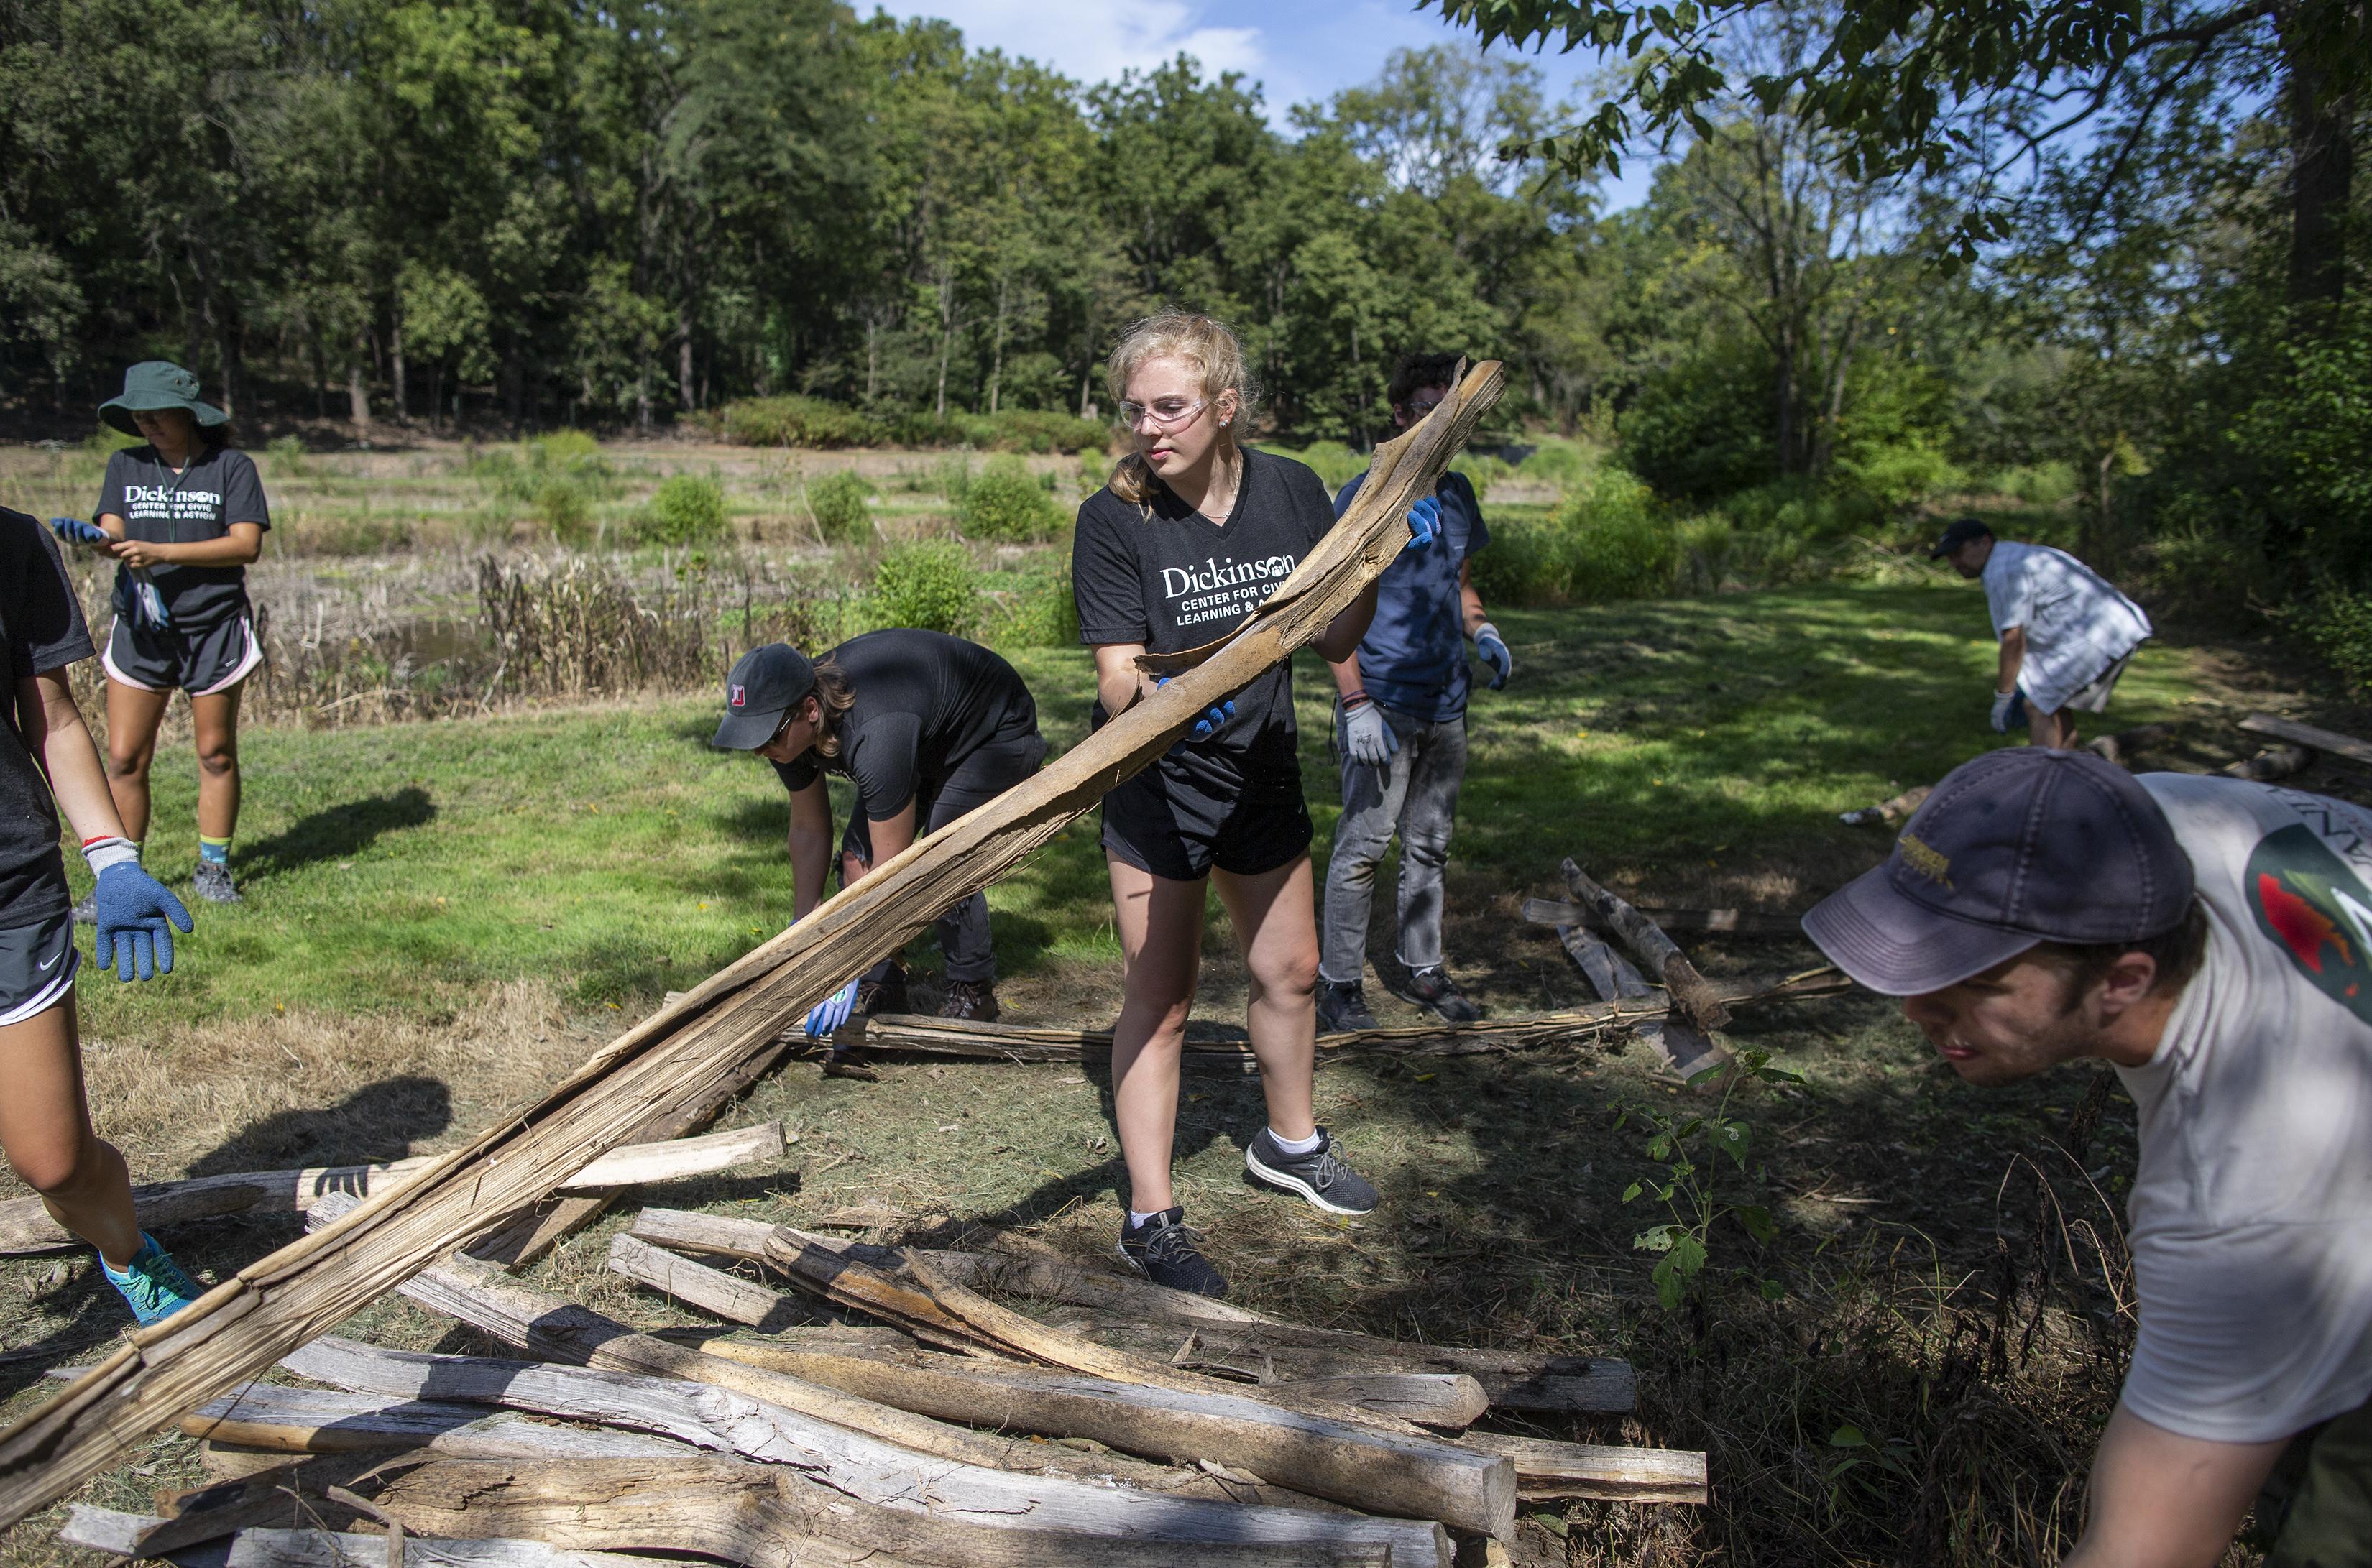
(135, 909)
(1493, 650)
(827, 1015)
(1213, 720)
(1424, 523)
(74, 531)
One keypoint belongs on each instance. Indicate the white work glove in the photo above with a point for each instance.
(1365, 735)
(2003, 702)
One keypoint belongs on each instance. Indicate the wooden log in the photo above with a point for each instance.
(1734, 922)
(266, 1416)
(1019, 1274)
(772, 1517)
(676, 1060)
(1342, 1452)
(1513, 1380)
(2272, 763)
(856, 1466)
(1245, 1434)
(104, 1530)
(1703, 1002)
(1028, 1042)
(1546, 1469)
(26, 1227)
(2322, 740)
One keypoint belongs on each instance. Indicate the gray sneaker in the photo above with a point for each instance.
(1317, 1176)
(87, 912)
(214, 884)
(1342, 1006)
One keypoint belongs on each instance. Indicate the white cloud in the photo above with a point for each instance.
(1095, 41)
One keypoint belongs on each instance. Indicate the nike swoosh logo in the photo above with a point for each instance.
(53, 959)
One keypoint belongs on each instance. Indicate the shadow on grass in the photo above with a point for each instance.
(338, 832)
(378, 1121)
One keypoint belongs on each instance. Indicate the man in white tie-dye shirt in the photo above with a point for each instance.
(2067, 633)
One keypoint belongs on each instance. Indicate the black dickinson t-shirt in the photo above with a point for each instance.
(1175, 580)
(40, 628)
(218, 488)
(925, 702)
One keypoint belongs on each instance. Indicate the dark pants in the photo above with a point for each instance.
(978, 778)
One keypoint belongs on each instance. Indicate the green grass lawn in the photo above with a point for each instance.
(1691, 748)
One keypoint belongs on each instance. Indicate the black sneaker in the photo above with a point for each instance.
(213, 883)
(971, 1000)
(1433, 988)
(1317, 1176)
(87, 912)
(1342, 1006)
(887, 994)
(1164, 1251)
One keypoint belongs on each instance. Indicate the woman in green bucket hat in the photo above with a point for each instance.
(182, 515)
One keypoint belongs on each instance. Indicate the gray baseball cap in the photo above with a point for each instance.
(2021, 846)
(765, 684)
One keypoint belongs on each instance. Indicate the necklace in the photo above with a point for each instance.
(1235, 476)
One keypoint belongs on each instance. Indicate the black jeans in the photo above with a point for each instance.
(977, 779)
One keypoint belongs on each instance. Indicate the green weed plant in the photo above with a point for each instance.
(841, 503)
(1006, 503)
(685, 509)
(926, 584)
(1684, 1184)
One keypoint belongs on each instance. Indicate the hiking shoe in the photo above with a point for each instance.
(87, 912)
(214, 884)
(1317, 1176)
(1433, 988)
(1166, 1252)
(1342, 1006)
(973, 1000)
(153, 1287)
(887, 994)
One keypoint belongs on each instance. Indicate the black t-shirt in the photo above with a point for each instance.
(40, 628)
(925, 702)
(1175, 580)
(217, 488)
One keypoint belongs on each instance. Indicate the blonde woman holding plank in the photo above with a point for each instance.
(1190, 535)
(47, 762)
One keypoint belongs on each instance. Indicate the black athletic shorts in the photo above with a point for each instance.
(1178, 821)
(37, 966)
(201, 663)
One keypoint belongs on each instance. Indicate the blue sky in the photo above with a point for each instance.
(1297, 50)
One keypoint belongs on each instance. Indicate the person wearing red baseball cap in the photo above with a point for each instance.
(2211, 939)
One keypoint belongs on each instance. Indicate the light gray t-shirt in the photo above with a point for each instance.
(2076, 624)
(2251, 1213)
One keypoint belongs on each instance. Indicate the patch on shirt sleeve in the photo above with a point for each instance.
(2315, 905)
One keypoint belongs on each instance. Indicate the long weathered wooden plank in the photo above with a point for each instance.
(26, 1227)
(680, 1055)
(328, 1421)
(2315, 736)
(774, 1516)
(104, 1530)
(1545, 1469)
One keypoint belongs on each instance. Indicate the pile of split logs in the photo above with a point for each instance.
(894, 1411)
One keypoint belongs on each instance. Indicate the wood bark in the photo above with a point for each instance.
(1705, 1001)
(2322, 740)
(103, 1530)
(772, 1517)
(851, 1464)
(26, 1227)
(677, 1058)
(1545, 1469)
(1193, 1330)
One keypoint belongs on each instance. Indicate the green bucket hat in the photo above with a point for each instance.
(158, 384)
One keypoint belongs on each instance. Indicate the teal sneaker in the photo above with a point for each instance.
(153, 1286)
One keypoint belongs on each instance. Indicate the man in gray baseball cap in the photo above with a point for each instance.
(2211, 939)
